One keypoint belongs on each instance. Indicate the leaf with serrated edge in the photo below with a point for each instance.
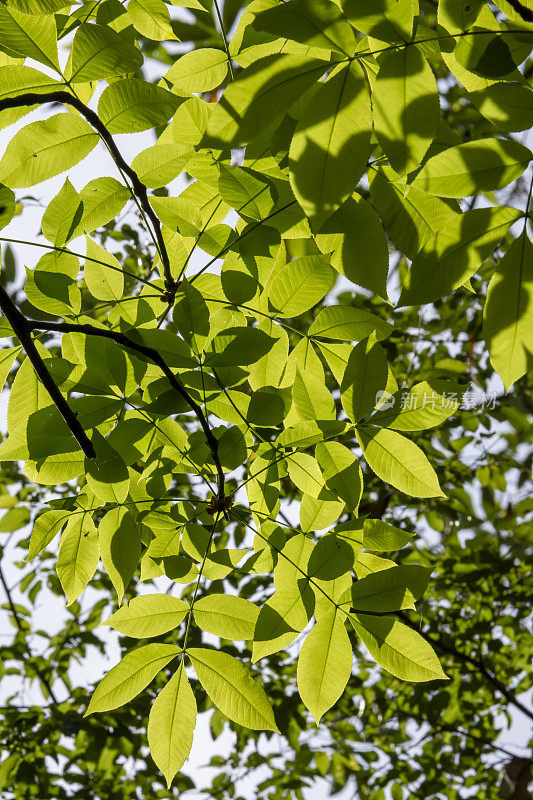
(171, 724)
(232, 689)
(131, 676)
(149, 615)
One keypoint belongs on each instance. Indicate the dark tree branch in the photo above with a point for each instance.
(156, 358)
(42, 677)
(22, 330)
(522, 11)
(139, 189)
(474, 663)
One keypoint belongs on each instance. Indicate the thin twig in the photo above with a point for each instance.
(474, 663)
(42, 677)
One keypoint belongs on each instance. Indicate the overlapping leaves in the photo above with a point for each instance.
(257, 383)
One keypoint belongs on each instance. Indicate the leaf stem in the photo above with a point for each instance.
(225, 39)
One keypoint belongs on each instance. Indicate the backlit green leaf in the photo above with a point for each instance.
(300, 284)
(149, 615)
(46, 148)
(390, 589)
(400, 462)
(507, 319)
(132, 105)
(78, 555)
(331, 144)
(171, 724)
(103, 275)
(324, 664)
(120, 547)
(405, 102)
(198, 71)
(226, 615)
(474, 168)
(232, 689)
(397, 648)
(99, 52)
(131, 676)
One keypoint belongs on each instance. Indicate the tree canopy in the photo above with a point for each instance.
(268, 406)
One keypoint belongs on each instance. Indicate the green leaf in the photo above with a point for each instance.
(269, 370)
(132, 105)
(383, 538)
(226, 615)
(238, 347)
(62, 215)
(37, 7)
(397, 648)
(348, 324)
(405, 102)
(364, 379)
(191, 316)
(356, 240)
(390, 589)
(331, 144)
(52, 286)
(300, 284)
(103, 275)
(7, 357)
(282, 618)
(246, 191)
(388, 20)
(102, 199)
(27, 394)
(46, 148)
(190, 121)
(45, 528)
(474, 168)
(317, 514)
(304, 434)
(7, 206)
(413, 218)
(324, 664)
(171, 724)
(316, 23)
(149, 615)
(312, 399)
(29, 35)
(341, 472)
(120, 547)
(78, 555)
(507, 324)
(232, 689)
(151, 19)
(99, 52)
(198, 71)
(305, 473)
(260, 96)
(508, 106)
(161, 163)
(131, 676)
(457, 253)
(19, 79)
(400, 462)
(424, 406)
(288, 611)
